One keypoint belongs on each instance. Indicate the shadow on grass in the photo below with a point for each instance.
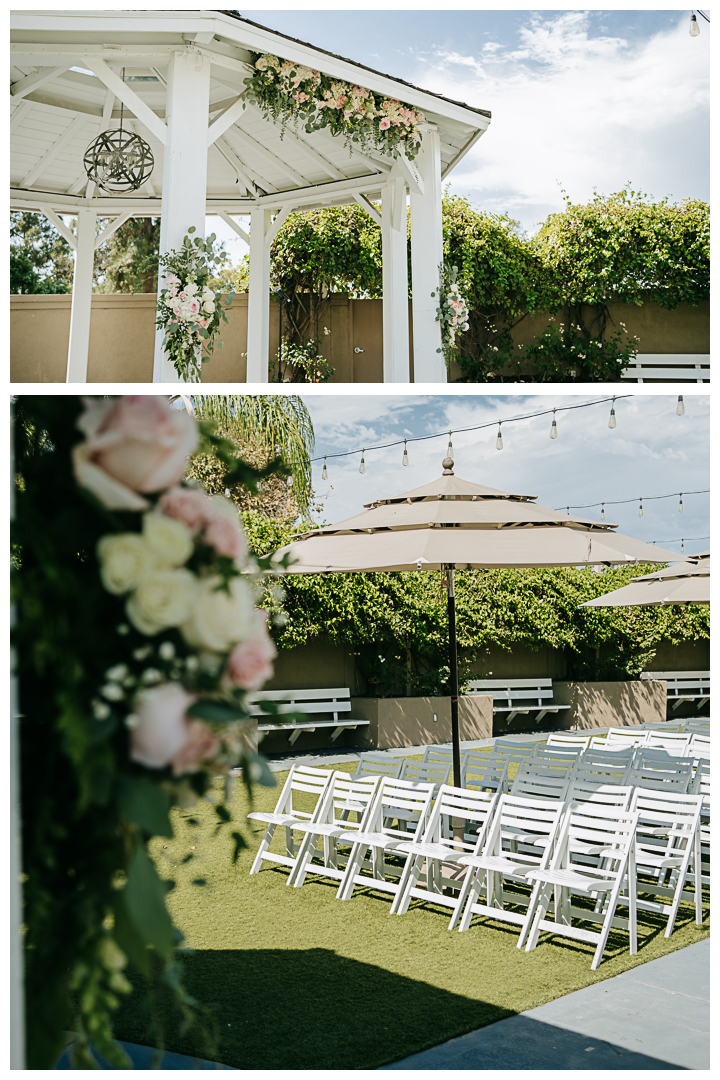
(307, 1009)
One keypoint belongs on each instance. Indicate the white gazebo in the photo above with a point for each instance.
(215, 154)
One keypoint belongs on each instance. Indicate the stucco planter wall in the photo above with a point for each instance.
(610, 704)
(420, 721)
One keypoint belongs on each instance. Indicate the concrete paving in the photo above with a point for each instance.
(656, 1016)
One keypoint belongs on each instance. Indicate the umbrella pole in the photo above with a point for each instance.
(455, 724)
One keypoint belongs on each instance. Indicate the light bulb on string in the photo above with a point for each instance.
(553, 429)
(450, 452)
(612, 422)
(680, 507)
(498, 441)
(682, 547)
(640, 511)
(324, 472)
(694, 28)
(602, 512)
(405, 459)
(362, 462)
(680, 411)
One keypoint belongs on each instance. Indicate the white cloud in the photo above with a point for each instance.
(588, 111)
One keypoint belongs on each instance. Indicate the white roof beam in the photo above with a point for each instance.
(364, 202)
(54, 150)
(322, 192)
(288, 170)
(234, 225)
(59, 225)
(241, 169)
(226, 119)
(462, 152)
(136, 105)
(33, 82)
(278, 223)
(112, 228)
(21, 113)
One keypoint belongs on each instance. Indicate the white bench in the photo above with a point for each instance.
(669, 367)
(321, 702)
(518, 696)
(683, 685)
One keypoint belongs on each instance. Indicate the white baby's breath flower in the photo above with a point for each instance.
(116, 673)
(166, 650)
(113, 692)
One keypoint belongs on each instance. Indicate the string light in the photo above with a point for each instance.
(450, 452)
(405, 459)
(682, 547)
(612, 422)
(553, 429)
(640, 511)
(694, 28)
(680, 507)
(602, 512)
(498, 441)
(362, 462)
(645, 498)
(324, 472)
(680, 411)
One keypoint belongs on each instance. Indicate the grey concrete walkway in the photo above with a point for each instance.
(656, 1016)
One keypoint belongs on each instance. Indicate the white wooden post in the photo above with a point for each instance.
(396, 331)
(184, 189)
(77, 364)
(426, 248)
(258, 338)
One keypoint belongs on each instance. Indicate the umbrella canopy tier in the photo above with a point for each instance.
(465, 548)
(687, 583)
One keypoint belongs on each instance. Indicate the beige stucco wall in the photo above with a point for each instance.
(610, 704)
(420, 721)
(122, 337)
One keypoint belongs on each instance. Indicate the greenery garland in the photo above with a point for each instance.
(292, 93)
(137, 644)
(188, 310)
(452, 311)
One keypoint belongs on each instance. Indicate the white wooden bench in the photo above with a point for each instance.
(330, 703)
(669, 367)
(518, 696)
(683, 685)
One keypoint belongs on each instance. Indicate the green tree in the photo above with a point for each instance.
(41, 260)
(128, 261)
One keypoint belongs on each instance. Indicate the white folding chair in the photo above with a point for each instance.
(606, 833)
(584, 791)
(520, 838)
(655, 768)
(604, 766)
(701, 786)
(373, 763)
(346, 794)
(675, 742)
(667, 846)
(534, 781)
(557, 758)
(513, 750)
(397, 804)
(442, 754)
(425, 772)
(483, 772)
(569, 739)
(468, 814)
(310, 787)
(699, 746)
(617, 738)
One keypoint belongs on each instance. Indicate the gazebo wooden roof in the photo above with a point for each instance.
(67, 87)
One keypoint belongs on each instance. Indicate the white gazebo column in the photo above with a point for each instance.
(426, 249)
(396, 331)
(81, 298)
(258, 332)
(184, 188)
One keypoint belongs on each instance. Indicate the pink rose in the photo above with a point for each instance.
(201, 745)
(161, 728)
(189, 505)
(384, 124)
(133, 444)
(250, 663)
(225, 536)
(193, 307)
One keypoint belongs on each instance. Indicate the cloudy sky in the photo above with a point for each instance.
(650, 452)
(580, 99)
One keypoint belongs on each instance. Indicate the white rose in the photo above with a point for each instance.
(190, 289)
(209, 306)
(220, 619)
(124, 559)
(169, 540)
(162, 598)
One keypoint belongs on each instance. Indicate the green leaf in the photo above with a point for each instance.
(218, 712)
(145, 804)
(144, 896)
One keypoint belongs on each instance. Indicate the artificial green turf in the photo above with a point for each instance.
(299, 980)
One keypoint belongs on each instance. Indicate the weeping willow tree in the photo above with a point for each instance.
(263, 427)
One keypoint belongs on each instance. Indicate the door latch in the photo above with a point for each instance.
(359, 350)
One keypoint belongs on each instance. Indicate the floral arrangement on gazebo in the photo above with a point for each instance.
(452, 312)
(138, 642)
(292, 93)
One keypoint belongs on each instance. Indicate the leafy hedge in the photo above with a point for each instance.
(392, 619)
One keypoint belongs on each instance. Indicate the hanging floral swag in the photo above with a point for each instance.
(138, 642)
(453, 312)
(188, 310)
(291, 93)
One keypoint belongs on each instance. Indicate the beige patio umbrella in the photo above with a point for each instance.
(452, 524)
(686, 583)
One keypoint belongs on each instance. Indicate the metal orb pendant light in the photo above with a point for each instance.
(118, 161)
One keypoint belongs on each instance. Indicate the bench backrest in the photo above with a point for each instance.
(335, 700)
(511, 690)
